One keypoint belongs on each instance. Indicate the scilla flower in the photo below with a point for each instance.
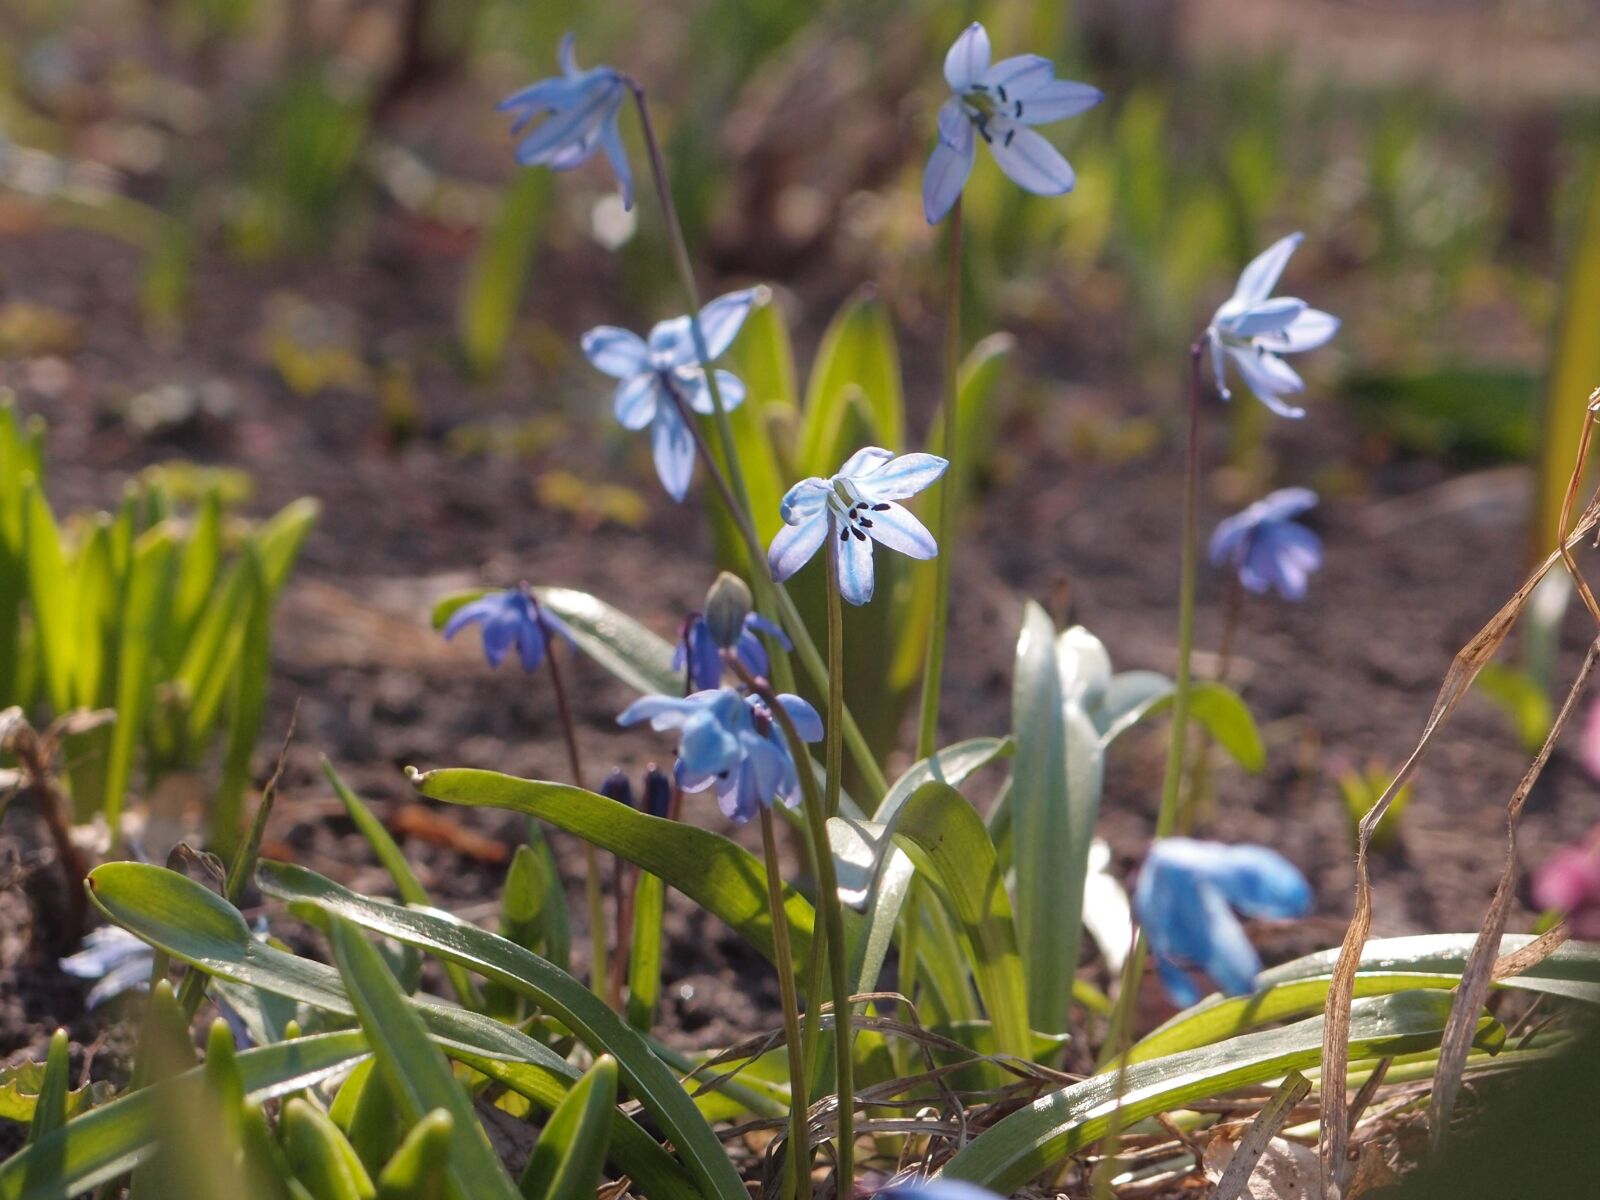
(1185, 900)
(508, 619)
(1569, 882)
(1267, 547)
(580, 116)
(699, 652)
(998, 103)
(731, 742)
(858, 505)
(935, 1189)
(1253, 329)
(668, 365)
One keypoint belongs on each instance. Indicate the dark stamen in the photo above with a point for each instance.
(1010, 133)
(865, 523)
(844, 534)
(880, 508)
(858, 533)
(1002, 90)
(1019, 108)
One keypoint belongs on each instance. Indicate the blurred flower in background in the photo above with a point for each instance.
(509, 619)
(1569, 882)
(580, 110)
(1267, 547)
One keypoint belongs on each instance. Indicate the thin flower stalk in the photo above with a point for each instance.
(798, 1176)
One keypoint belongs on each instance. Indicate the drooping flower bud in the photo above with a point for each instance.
(657, 792)
(727, 605)
(617, 787)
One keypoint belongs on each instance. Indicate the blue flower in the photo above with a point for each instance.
(698, 650)
(580, 110)
(1185, 900)
(668, 365)
(730, 741)
(998, 103)
(1253, 329)
(508, 619)
(117, 961)
(936, 1189)
(1267, 547)
(858, 505)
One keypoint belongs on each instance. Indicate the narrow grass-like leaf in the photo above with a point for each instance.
(414, 1069)
(51, 598)
(571, 1151)
(763, 358)
(50, 1110)
(857, 357)
(1033, 1139)
(144, 614)
(644, 951)
(247, 705)
(417, 1170)
(486, 312)
(559, 993)
(720, 876)
(319, 1155)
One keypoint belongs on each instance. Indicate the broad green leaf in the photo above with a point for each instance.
(953, 765)
(857, 357)
(558, 993)
(723, 878)
(190, 922)
(1219, 710)
(319, 1155)
(571, 1151)
(412, 1066)
(51, 598)
(417, 1170)
(945, 831)
(405, 879)
(144, 614)
(111, 1140)
(486, 311)
(1033, 1139)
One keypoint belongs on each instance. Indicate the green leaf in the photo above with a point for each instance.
(558, 993)
(1054, 801)
(319, 1155)
(723, 878)
(1033, 1139)
(1522, 699)
(857, 357)
(486, 312)
(644, 951)
(364, 1109)
(417, 1170)
(413, 1068)
(947, 833)
(405, 879)
(763, 359)
(247, 706)
(50, 594)
(111, 1140)
(50, 1112)
(198, 568)
(1220, 711)
(144, 616)
(571, 1152)
(21, 1084)
(194, 924)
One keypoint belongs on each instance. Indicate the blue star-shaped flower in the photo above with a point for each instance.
(1253, 329)
(1267, 547)
(669, 364)
(859, 505)
(998, 104)
(580, 110)
(699, 653)
(1185, 900)
(730, 741)
(508, 619)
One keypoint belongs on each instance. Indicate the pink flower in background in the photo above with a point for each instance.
(1589, 747)
(1569, 881)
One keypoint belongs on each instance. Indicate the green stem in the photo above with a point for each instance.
(771, 597)
(949, 499)
(1197, 800)
(832, 915)
(598, 973)
(799, 1150)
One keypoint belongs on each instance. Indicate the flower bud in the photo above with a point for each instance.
(657, 792)
(616, 787)
(727, 605)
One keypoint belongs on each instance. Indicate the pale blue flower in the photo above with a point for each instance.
(669, 365)
(858, 505)
(1253, 328)
(730, 741)
(1187, 893)
(1267, 547)
(580, 110)
(699, 653)
(998, 104)
(936, 1188)
(508, 619)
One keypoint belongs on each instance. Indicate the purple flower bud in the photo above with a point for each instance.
(616, 787)
(657, 792)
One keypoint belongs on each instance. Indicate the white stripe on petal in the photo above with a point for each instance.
(900, 477)
(854, 556)
(673, 450)
(897, 529)
(636, 400)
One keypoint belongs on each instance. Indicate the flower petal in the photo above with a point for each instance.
(863, 462)
(1219, 364)
(1270, 378)
(1029, 159)
(945, 175)
(617, 156)
(530, 645)
(1055, 101)
(807, 722)
(897, 529)
(854, 558)
(620, 353)
(967, 59)
(1312, 328)
(1261, 276)
(566, 54)
(1020, 76)
(1228, 957)
(672, 344)
(1268, 317)
(708, 746)
(804, 500)
(663, 712)
(636, 401)
(480, 609)
(900, 477)
(673, 449)
(794, 545)
(729, 387)
(721, 320)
